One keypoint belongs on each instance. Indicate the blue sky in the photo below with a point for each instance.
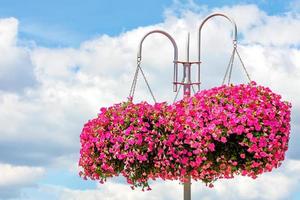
(45, 101)
(69, 22)
(80, 20)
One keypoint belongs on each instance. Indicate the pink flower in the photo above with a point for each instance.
(223, 139)
(141, 141)
(249, 135)
(263, 154)
(211, 146)
(184, 160)
(239, 129)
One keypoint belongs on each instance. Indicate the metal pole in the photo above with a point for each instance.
(187, 71)
(187, 84)
(187, 93)
(187, 190)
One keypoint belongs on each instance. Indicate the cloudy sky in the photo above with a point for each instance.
(63, 60)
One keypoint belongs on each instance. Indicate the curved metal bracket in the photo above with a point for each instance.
(200, 30)
(139, 55)
(211, 16)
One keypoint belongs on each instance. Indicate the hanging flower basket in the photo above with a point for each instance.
(236, 129)
(124, 139)
(217, 133)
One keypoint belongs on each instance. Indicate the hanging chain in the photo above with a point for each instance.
(193, 89)
(134, 82)
(147, 83)
(135, 77)
(243, 65)
(230, 65)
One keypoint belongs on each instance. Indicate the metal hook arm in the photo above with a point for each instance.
(200, 30)
(211, 16)
(139, 55)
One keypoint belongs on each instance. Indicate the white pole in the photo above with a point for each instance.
(187, 92)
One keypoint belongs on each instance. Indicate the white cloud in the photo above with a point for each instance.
(244, 21)
(8, 31)
(277, 68)
(268, 30)
(14, 178)
(286, 29)
(115, 191)
(19, 175)
(16, 71)
(265, 187)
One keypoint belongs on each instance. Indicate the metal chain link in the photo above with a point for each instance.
(230, 65)
(147, 83)
(134, 82)
(243, 65)
(193, 89)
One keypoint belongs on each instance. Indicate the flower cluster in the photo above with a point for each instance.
(124, 139)
(217, 133)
